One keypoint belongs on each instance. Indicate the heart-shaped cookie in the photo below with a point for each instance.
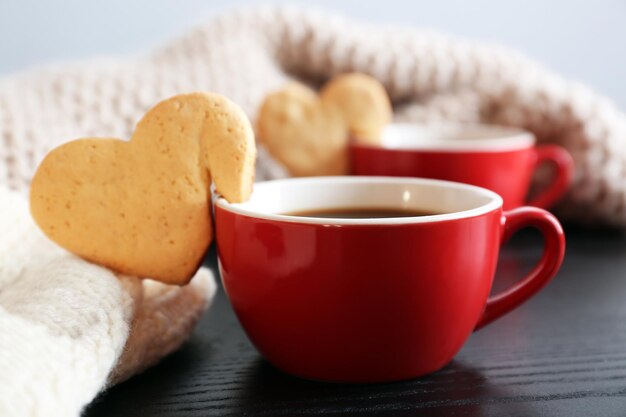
(304, 133)
(309, 134)
(363, 103)
(142, 207)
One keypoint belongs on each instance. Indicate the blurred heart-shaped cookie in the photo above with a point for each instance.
(304, 133)
(363, 103)
(142, 207)
(309, 133)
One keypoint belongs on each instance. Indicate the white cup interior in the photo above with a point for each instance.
(451, 200)
(455, 137)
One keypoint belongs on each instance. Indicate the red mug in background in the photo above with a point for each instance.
(371, 300)
(499, 158)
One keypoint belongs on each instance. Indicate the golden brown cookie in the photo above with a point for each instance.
(309, 134)
(304, 133)
(363, 103)
(142, 207)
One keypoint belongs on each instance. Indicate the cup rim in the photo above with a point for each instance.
(497, 138)
(495, 202)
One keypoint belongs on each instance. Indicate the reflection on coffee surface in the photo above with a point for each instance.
(361, 213)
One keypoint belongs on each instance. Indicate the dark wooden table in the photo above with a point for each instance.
(561, 354)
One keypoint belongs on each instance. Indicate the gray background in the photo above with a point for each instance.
(582, 39)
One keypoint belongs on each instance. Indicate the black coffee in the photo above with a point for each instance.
(361, 213)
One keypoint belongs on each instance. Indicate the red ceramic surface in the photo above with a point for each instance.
(507, 169)
(379, 301)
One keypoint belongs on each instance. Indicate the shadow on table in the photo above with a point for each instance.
(456, 390)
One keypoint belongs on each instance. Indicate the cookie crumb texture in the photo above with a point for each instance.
(142, 207)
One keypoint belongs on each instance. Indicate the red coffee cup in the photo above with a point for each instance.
(371, 300)
(499, 158)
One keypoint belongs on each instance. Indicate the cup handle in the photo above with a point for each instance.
(564, 164)
(550, 262)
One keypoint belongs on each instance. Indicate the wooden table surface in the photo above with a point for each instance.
(561, 354)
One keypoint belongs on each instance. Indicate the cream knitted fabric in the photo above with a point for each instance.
(64, 323)
(248, 53)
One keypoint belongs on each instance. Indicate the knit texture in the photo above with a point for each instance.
(246, 54)
(68, 328)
